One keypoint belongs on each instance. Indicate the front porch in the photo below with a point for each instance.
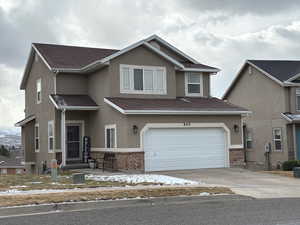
(72, 133)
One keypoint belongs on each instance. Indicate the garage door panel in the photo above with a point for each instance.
(184, 148)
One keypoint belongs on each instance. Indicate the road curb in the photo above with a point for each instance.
(90, 205)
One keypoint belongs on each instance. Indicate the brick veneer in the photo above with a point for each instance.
(135, 160)
(236, 157)
(124, 160)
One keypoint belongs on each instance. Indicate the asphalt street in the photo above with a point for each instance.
(191, 211)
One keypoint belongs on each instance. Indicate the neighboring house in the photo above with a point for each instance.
(13, 164)
(271, 90)
(148, 103)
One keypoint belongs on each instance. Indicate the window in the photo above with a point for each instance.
(298, 99)
(39, 91)
(3, 171)
(193, 84)
(19, 171)
(142, 79)
(277, 138)
(50, 136)
(110, 136)
(37, 137)
(248, 139)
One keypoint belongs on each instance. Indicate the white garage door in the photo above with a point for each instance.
(184, 148)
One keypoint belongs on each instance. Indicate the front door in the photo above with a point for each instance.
(298, 142)
(73, 142)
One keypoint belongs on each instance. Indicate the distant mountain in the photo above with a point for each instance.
(10, 136)
(10, 131)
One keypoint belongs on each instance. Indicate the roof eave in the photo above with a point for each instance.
(225, 95)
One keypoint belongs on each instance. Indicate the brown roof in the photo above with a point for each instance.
(178, 104)
(199, 66)
(71, 57)
(73, 101)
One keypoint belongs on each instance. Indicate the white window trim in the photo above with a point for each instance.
(297, 95)
(249, 139)
(37, 125)
(109, 126)
(132, 91)
(4, 171)
(186, 86)
(274, 139)
(53, 137)
(38, 81)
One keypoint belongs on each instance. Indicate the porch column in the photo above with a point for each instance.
(63, 137)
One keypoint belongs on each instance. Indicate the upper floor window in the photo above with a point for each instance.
(39, 91)
(142, 79)
(298, 99)
(37, 137)
(277, 138)
(50, 136)
(193, 84)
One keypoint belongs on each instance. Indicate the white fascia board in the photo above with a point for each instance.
(200, 70)
(124, 50)
(41, 56)
(172, 112)
(239, 73)
(293, 78)
(286, 117)
(162, 41)
(289, 84)
(80, 107)
(267, 74)
(114, 106)
(234, 80)
(54, 103)
(19, 124)
(163, 55)
(181, 112)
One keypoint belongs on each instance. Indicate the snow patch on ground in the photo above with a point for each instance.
(142, 178)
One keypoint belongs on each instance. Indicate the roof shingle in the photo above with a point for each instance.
(280, 69)
(178, 104)
(71, 57)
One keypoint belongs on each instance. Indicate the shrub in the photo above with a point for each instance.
(290, 164)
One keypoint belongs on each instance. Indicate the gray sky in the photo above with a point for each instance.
(220, 33)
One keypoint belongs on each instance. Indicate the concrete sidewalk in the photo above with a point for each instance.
(244, 182)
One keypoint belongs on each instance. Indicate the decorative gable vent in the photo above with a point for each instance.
(155, 44)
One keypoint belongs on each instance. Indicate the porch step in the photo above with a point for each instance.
(76, 166)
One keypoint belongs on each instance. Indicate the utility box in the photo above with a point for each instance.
(296, 172)
(78, 178)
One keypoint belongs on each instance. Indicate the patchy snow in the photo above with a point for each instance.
(204, 194)
(18, 186)
(142, 178)
(42, 191)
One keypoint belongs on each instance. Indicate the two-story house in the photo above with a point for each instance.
(270, 89)
(148, 103)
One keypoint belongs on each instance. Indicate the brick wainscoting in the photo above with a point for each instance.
(124, 160)
(236, 157)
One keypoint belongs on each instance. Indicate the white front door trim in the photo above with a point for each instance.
(81, 124)
(189, 125)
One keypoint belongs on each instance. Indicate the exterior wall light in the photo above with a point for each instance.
(135, 129)
(236, 128)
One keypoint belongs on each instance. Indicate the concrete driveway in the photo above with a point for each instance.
(244, 182)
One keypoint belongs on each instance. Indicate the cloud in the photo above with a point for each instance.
(241, 7)
(218, 33)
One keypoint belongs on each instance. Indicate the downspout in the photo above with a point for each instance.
(63, 137)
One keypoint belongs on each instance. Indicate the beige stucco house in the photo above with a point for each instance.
(270, 89)
(148, 103)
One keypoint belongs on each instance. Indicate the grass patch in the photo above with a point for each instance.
(17, 200)
(34, 182)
